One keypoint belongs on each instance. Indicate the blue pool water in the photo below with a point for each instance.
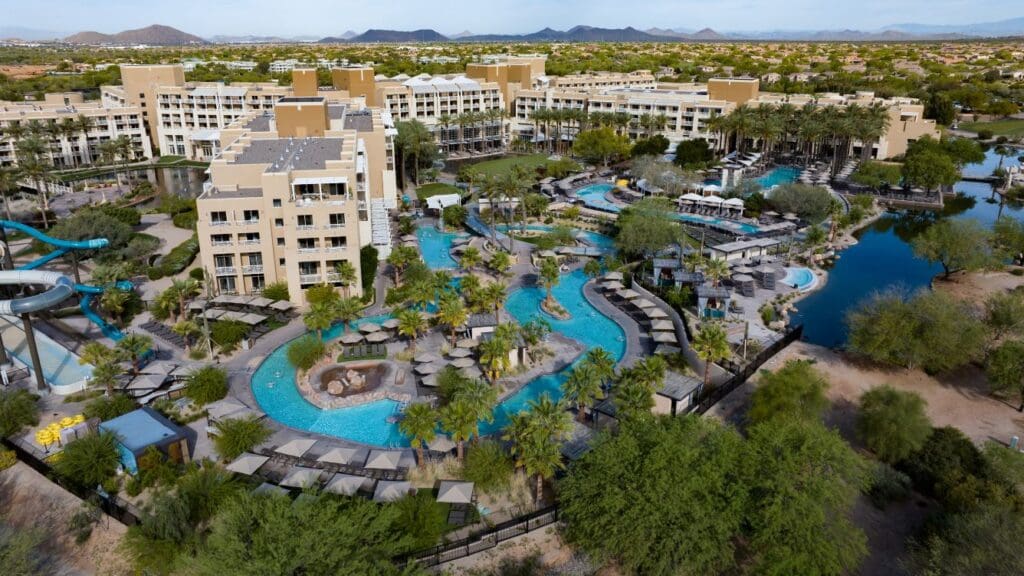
(597, 240)
(435, 246)
(275, 391)
(594, 197)
(803, 279)
(60, 367)
(774, 177)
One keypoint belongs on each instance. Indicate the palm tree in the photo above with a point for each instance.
(85, 125)
(716, 269)
(651, 370)
(114, 301)
(105, 364)
(493, 296)
(347, 310)
(452, 313)
(419, 423)
(500, 261)
(187, 329)
(542, 459)
(583, 387)
(549, 277)
(711, 344)
(30, 152)
(134, 346)
(470, 258)
(444, 121)
(517, 433)
(320, 317)
(410, 324)
(68, 128)
(603, 363)
(185, 290)
(346, 275)
(549, 418)
(458, 419)
(693, 260)
(494, 357)
(634, 397)
(481, 397)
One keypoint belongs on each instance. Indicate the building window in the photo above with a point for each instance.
(224, 261)
(220, 239)
(304, 220)
(280, 241)
(277, 202)
(250, 216)
(227, 284)
(337, 220)
(258, 282)
(307, 244)
(219, 217)
(280, 261)
(279, 222)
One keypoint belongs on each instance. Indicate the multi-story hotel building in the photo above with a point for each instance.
(70, 145)
(294, 192)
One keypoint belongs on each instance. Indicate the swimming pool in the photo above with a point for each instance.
(274, 389)
(594, 197)
(61, 369)
(774, 177)
(803, 279)
(435, 247)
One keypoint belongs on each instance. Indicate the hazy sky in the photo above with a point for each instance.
(323, 17)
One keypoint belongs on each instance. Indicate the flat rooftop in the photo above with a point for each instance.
(295, 153)
(302, 100)
(141, 428)
(260, 123)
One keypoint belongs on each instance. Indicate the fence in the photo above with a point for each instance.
(115, 507)
(484, 540)
(742, 373)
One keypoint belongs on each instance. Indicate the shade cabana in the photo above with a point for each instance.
(247, 463)
(460, 353)
(691, 197)
(409, 238)
(471, 372)
(790, 216)
(296, 448)
(352, 338)
(665, 338)
(160, 367)
(627, 294)
(643, 303)
(260, 302)
(251, 319)
(426, 358)
(388, 491)
(613, 286)
(345, 484)
(662, 325)
(301, 477)
(377, 337)
(441, 443)
(743, 270)
(613, 276)
(383, 460)
(369, 327)
(655, 313)
(340, 455)
(463, 362)
(455, 492)
(282, 306)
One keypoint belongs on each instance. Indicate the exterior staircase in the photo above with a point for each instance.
(380, 226)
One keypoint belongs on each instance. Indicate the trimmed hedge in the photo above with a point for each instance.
(176, 260)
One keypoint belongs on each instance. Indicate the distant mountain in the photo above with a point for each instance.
(155, 35)
(397, 36)
(577, 34)
(707, 34)
(1010, 27)
(22, 33)
(460, 35)
(253, 40)
(349, 34)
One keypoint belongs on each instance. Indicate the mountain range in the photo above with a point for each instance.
(158, 35)
(155, 35)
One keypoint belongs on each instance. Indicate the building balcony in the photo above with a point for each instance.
(310, 278)
(249, 242)
(305, 227)
(222, 244)
(247, 222)
(333, 277)
(220, 222)
(308, 250)
(225, 271)
(337, 248)
(253, 269)
(334, 226)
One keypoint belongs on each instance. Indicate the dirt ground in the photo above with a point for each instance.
(27, 499)
(978, 286)
(22, 71)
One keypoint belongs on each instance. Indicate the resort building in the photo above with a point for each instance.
(73, 128)
(295, 192)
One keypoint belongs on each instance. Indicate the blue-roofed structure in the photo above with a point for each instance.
(140, 429)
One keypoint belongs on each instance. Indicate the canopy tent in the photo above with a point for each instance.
(369, 327)
(426, 358)
(160, 367)
(426, 369)
(734, 202)
(352, 338)
(712, 188)
(344, 484)
(628, 294)
(713, 199)
(261, 302)
(455, 492)
(383, 460)
(340, 455)
(296, 448)
(471, 372)
(301, 477)
(691, 197)
(613, 276)
(247, 463)
(282, 305)
(430, 381)
(613, 286)
(388, 491)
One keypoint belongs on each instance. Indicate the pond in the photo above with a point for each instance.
(883, 258)
(186, 182)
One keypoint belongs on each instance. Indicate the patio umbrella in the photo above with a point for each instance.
(460, 353)
(383, 460)
(665, 349)
(455, 492)
(628, 294)
(388, 491)
(743, 270)
(771, 213)
(655, 313)
(613, 286)
(467, 343)
(790, 216)
(662, 325)
(742, 278)
(296, 447)
(471, 372)
(441, 443)
(426, 358)
(247, 463)
(339, 455)
(389, 324)
(426, 369)
(665, 338)
(613, 276)
(352, 338)
(369, 328)
(766, 269)
(409, 237)
(345, 484)
(429, 381)
(463, 362)
(301, 477)
(377, 337)
(643, 303)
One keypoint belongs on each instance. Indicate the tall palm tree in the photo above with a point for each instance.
(444, 121)
(453, 313)
(185, 290)
(517, 433)
(85, 125)
(583, 387)
(481, 397)
(114, 302)
(347, 310)
(493, 296)
(68, 129)
(494, 356)
(346, 275)
(470, 258)
(549, 277)
(101, 358)
(542, 459)
(711, 344)
(31, 154)
(187, 329)
(133, 346)
(458, 419)
(716, 269)
(419, 424)
(8, 186)
(603, 363)
(634, 397)
(411, 324)
(320, 317)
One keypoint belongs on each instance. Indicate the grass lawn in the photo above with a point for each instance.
(434, 188)
(505, 165)
(1009, 127)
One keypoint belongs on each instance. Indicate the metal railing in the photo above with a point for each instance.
(224, 270)
(484, 540)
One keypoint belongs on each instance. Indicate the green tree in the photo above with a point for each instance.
(207, 384)
(306, 351)
(711, 344)
(237, 435)
(956, 245)
(90, 460)
(411, 324)
(930, 170)
(500, 262)
(459, 420)
(981, 541)
(1004, 314)
(347, 310)
(583, 386)
(549, 277)
(419, 424)
(346, 275)
(663, 496)
(892, 424)
(320, 317)
(600, 145)
(453, 314)
(803, 481)
(17, 409)
(694, 154)
(104, 360)
(23, 551)
(810, 203)
(795, 391)
(276, 291)
(132, 347)
(1005, 369)
(647, 227)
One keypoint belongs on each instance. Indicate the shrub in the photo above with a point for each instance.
(238, 435)
(228, 333)
(106, 408)
(811, 203)
(321, 294)
(489, 467)
(154, 273)
(207, 384)
(89, 461)
(304, 352)
(454, 216)
(7, 459)
(276, 291)
(179, 257)
(888, 485)
(17, 409)
(985, 134)
(422, 517)
(796, 390)
(892, 423)
(368, 269)
(125, 214)
(185, 220)
(197, 274)
(947, 466)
